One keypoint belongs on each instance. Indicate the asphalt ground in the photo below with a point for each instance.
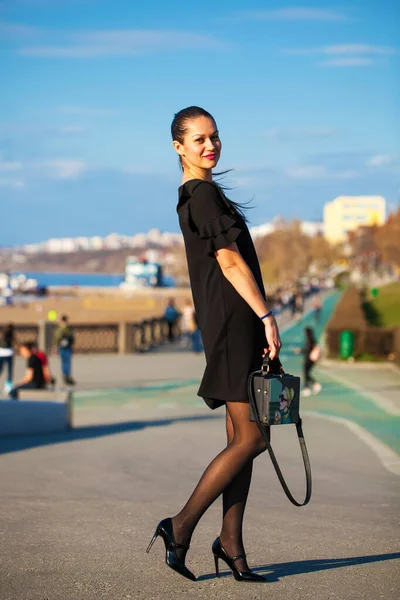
(78, 509)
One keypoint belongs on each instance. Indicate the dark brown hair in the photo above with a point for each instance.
(178, 130)
(28, 345)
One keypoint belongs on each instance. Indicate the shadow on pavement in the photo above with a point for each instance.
(24, 442)
(275, 572)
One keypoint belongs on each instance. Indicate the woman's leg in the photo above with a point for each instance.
(234, 500)
(310, 364)
(307, 377)
(247, 443)
(10, 368)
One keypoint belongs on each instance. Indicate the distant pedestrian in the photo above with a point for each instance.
(292, 304)
(171, 315)
(197, 344)
(34, 378)
(7, 354)
(64, 338)
(311, 354)
(317, 307)
(188, 325)
(299, 302)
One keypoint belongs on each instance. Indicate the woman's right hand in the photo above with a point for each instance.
(273, 337)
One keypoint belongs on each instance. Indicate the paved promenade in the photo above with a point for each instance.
(78, 509)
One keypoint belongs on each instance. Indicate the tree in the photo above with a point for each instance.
(287, 253)
(387, 239)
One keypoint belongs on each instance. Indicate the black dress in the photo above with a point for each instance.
(233, 335)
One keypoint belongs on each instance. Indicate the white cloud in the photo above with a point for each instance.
(243, 182)
(315, 172)
(8, 182)
(135, 170)
(88, 111)
(354, 61)
(63, 168)
(283, 135)
(346, 55)
(380, 160)
(10, 166)
(294, 14)
(17, 30)
(121, 42)
(344, 49)
(346, 174)
(307, 172)
(70, 130)
(359, 49)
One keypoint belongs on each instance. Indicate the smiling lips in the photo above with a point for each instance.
(209, 156)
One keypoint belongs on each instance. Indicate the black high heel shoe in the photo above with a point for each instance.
(165, 530)
(220, 552)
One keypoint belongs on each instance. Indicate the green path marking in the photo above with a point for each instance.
(161, 393)
(336, 399)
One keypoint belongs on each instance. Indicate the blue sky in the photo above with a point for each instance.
(304, 95)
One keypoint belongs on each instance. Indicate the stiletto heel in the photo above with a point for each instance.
(153, 539)
(216, 565)
(220, 552)
(165, 530)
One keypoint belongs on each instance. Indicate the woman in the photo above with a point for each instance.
(7, 354)
(236, 326)
(311, 353)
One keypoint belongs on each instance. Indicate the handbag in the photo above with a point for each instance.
(274, 398)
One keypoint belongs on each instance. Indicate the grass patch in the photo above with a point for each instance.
(367, 357)
(387, 305)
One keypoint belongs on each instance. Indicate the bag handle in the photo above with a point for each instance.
(274, 366)
(303, 447)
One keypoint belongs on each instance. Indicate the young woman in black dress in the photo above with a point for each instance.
(237, 327)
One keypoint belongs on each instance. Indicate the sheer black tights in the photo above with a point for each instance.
(228, 474)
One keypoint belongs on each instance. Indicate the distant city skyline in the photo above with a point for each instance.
(114, 240)
(304, 95)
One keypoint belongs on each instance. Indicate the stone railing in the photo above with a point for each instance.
(122, 337)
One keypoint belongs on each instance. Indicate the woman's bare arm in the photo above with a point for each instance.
(237, 272)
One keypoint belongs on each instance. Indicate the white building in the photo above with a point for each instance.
(312, 228)
(113, 241)
(138, 240)
(32, 248)
(82, 243)
(56, 245)
(96, 243)
(262, 230)
(309, 228)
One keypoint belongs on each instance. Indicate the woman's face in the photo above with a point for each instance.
(201, 146)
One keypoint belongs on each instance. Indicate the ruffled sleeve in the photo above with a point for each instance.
(215, 222)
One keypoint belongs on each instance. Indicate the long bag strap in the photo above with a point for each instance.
(303, 447)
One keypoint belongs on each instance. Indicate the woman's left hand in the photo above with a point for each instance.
(273, 337)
